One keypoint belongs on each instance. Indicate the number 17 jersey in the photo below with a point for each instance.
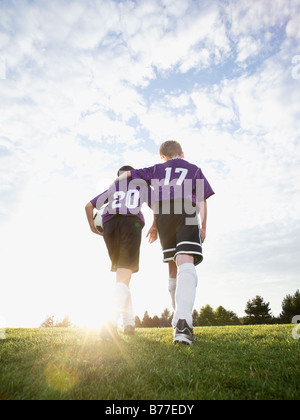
(181, 180)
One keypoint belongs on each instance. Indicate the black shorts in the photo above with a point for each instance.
(122, 236)
(180, 234)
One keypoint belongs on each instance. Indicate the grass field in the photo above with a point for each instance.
(250, 362)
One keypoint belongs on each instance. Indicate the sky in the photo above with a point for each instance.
(88, 86)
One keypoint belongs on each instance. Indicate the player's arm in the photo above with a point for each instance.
(203, 217)
(153, 232)
(204, 192)
(97, 203)
(123, 177)
(89, 209)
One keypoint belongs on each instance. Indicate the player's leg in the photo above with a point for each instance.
(130, 242)
(187, 282)
(123, 275)
(124, 300)
(111, 237)
(172, 281)
(121, 305)
(121, 293)
(167, 234)
(188, 255)
(128, 316)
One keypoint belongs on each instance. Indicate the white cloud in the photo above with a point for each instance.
(247, 47)
(99, 126)
(292, 28)
(213, 108)
(252, 18)
(194, 40)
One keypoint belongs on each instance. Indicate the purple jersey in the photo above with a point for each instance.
(175, 179)
(125, 198)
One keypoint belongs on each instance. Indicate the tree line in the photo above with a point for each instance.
(257, 312)
(51, 323)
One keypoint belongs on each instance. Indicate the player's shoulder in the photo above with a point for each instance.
(176, 163)
(185, 163)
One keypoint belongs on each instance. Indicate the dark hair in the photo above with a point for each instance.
(171, 149)
(125, 169)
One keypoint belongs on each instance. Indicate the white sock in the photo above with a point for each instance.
(172, 290)
(127, 314)
(187, 282)
(119, 300)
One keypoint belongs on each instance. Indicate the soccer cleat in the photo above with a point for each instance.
(110, 333)
(129, 330)
(183, 333)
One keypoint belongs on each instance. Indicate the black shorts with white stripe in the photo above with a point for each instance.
(180, 234)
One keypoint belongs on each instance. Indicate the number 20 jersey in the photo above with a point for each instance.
(123, 198)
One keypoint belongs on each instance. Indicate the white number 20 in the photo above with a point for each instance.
(132, 199)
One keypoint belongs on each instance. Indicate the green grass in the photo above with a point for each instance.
(251, 362)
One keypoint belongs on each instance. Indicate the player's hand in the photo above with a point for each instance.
(152, 234)
(94, 230)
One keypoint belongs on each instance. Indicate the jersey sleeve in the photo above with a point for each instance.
(100, 200)
(208, 191)
(147, 174)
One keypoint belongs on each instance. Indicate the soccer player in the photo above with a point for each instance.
(123, 222)
(180, 194)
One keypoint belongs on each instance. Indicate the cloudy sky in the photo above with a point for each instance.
(87, 86)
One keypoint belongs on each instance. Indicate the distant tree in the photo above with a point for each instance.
(166, 319)
(206, 316)
(48, 323)
(258, 312)
(195, 317)
(138, 322)
(65, 323)
(222, 316)
(155, 322)
(146, 323)
(234, 318)
(290, 307)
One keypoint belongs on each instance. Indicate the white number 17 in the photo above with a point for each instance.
(180, 180)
